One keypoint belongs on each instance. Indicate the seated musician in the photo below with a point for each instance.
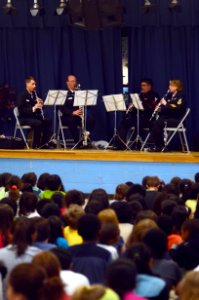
(72, 116)
(31, 113)
(171, 110)
(149, 99)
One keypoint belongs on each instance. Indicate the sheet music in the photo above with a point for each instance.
(56, 97)
(83, 98)
(137, 103)
(114, 102)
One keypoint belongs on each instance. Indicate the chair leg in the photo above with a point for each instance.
(181, 141)
(63, 137)
(145, 141)
(186, 141)
(15, 132)
(24, 138)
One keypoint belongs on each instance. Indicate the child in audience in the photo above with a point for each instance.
(53, 185)
(121, 277)
(56, 233)
(27, 205)
(187, 253)
(95, 292)
(74, 197)
(147, 284)
(139, 231)
(31, 282)
(72, 280)
(6, 221)
(156, 240)
(188, 288)
(72, 216)
(88, 258)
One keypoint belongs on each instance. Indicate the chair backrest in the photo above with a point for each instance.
(185, 116)
(16, 114)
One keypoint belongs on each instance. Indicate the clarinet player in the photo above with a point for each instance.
(31, 113)
(171, 110)
(72, 116)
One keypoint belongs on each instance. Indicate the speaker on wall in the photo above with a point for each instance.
(95, 14)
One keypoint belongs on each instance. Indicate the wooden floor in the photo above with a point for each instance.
(102, 155)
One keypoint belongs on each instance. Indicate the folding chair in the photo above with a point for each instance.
(20, 127)
(170, 132)
(130, 136)
(61, 129)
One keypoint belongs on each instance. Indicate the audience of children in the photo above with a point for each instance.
(141, 243)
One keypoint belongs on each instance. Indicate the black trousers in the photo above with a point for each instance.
(129, 122)
(158, 127)
(73, 122)
(41, 129)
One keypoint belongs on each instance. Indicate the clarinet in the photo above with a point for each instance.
(41, 109)
(158, 106)
(84, 132)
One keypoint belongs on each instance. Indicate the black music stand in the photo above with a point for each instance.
(115, 103)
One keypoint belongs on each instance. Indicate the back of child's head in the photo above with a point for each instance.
(135, 189)
(94, 207)
(30, 178)
(101, 196)
(42, 181)
(140, 254)
(123, 211)
(50, 209)
(54, 183)
(28, 281)
(194, 191)
(108, 216)
(121, 276)
(74, 197)
(56, 229)
(196, 177)
(42, 229)
(109, 234)
(88, 227)
(153, 182)
(94, 292)
(136, 208)
(120, 191)
(11, 202)
(171, 188)
(58, 199)
(4, 177)
(179, 215)
(167, 207)
(165, 223)
(64, 257)
(139, 231)
(73, 215)
(13, 186)
(191, 227)
(146, 214)
(156, 240)
(28, 203)
(185, 187)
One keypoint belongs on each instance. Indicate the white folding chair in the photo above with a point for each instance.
(170, 132)
(61, 129)
(20, 127)
(131, 134)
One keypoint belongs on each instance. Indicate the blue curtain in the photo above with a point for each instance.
(50, 53)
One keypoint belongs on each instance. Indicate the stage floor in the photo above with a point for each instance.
(86, 170)
(101, 155)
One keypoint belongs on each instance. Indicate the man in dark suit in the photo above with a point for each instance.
(31, 113)
(72, 116)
